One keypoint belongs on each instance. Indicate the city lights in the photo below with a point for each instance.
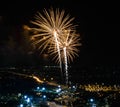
(38, 88)
(44, 96)
(43, 89)
(21, 105)
(91, 100)
(59, 53)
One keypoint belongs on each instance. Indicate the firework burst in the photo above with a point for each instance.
(69, 43)
(47, 25)
(56, 32)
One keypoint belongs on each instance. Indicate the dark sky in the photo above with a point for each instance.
(98, 25)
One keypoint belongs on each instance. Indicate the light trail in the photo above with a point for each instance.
(58, 49)
(27, 76)
(37, 79)
(66, 64)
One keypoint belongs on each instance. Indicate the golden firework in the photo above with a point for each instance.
(56, 32)
(70, 41)
(47, 23)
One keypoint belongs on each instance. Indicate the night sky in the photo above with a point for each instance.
(98, 25)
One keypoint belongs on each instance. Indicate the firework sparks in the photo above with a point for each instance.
(49, 23)
(58, 49)
(66, 64)
(69, 42)
(69, 45)
(55, 32)
(49, 27)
